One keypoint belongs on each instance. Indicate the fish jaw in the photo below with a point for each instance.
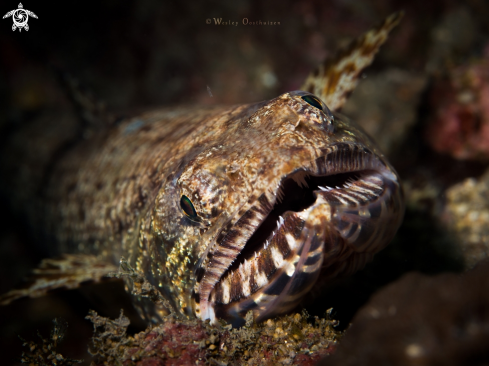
(240, 175)
(282, 126)
(356, 209)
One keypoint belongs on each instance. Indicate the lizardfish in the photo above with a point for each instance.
(222, 210)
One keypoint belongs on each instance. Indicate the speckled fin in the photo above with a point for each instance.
(333, 80)
(68, 272)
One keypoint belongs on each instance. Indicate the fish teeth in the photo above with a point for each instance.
(279, 194)
(280, 222)
(326, 189)
(340, 198)
(300, 179)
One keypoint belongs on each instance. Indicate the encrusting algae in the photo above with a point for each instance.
(288, 340)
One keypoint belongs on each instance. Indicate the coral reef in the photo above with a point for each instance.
(467, 214)
(459, 125)
(421, 320)
(149, 53)
(288, 340)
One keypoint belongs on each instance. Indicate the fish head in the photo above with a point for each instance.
(287, 196)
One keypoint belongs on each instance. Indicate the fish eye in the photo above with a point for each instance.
(188, 207)
(312, 100)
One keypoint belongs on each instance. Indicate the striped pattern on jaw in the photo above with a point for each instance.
(354, 209)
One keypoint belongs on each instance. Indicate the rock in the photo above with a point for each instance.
(386, 104)
(467, 214)
(286, 340)
(422, 320)
(453, 36)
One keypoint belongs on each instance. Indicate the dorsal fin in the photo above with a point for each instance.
(334, 79)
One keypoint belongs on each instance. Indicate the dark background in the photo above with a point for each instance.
(135, 55)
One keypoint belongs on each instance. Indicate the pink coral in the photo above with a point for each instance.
(459, 124)
(289, 340)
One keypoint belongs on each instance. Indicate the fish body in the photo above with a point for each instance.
(226, 209)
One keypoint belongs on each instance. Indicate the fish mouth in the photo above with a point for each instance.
(328, 218)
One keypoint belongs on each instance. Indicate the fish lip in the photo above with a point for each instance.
(335, 159)
(318, 168)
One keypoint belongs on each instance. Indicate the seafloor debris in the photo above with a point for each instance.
(422, 320)
(44, 353)
(459, 124)
(288, 340)
(467, 214)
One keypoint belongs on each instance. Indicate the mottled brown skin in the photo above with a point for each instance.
(133, 183)
(122, 198)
